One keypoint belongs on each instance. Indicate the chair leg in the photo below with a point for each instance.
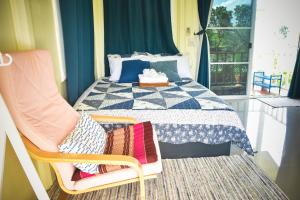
(142, 188)
(63, 195)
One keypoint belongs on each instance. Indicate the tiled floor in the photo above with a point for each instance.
(258, 92)
(275, 135)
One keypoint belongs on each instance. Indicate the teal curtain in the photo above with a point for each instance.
(78, 33)
(203, 69)
(294, 91)
(137, 25)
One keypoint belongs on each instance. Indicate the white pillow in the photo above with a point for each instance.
(113, 55)
(88, 137)
(112, 58)
(183, 66)
(115, 65)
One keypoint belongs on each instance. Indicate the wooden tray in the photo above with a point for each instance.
(154, 84)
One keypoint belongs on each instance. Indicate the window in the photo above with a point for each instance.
(229, 34)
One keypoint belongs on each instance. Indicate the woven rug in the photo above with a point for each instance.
(278, 102)
(225, 177)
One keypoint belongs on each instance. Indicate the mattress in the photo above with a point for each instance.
(182, 112)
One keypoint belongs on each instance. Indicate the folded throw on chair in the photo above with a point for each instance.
(135, 140)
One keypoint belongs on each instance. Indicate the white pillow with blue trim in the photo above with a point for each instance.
(88, 137)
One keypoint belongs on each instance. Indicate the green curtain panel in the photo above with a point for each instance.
(203, 70)
(137, 25)
(294, 91)
(78, 32)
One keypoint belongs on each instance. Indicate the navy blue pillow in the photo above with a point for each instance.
(131, 69)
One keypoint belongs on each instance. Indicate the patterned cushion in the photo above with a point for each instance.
(88, 137)
(135, 140)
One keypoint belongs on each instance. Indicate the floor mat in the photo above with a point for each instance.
(278, 102)
(224, 177)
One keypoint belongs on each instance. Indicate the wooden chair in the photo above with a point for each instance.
(44, 119)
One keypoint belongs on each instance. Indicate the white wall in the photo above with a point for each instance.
(269, 44)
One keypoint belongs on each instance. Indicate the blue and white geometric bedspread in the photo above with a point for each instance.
(182, 112)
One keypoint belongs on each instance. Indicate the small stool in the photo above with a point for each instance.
(265, 81)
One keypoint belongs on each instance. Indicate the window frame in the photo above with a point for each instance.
(250, 57)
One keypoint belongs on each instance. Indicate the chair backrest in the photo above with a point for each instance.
(30, 92)
(39, 111)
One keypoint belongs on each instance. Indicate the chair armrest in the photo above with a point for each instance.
(101, 118)
(52, 157)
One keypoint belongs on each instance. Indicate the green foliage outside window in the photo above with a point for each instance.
(229, 44)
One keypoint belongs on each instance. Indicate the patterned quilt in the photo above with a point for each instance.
(182, 112)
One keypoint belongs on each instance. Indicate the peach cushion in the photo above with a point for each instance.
(40, 113)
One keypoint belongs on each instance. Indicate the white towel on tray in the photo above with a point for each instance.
(152, 76)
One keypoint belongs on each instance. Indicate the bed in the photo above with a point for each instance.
(189, 118)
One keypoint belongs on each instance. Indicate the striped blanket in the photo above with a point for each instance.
(134, 140)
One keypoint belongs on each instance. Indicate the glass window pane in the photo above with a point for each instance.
(229, 79)
(228, 13)
(229, 45)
